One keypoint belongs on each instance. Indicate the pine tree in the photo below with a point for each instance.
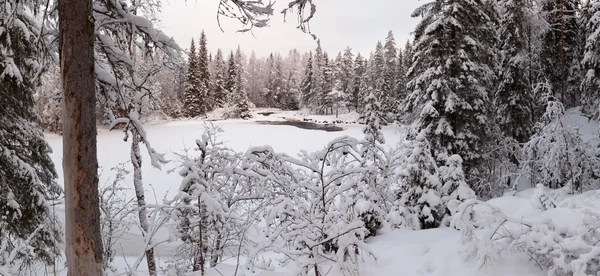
(448, 82)
(377, 72)
(400, 83)
(390, 57)
(242, 104)
(219, 93)
(207, 101)
(559, 49)
(513, 95)
(591, 58)
(327, 85)
(422, 195)
(255, 83)
(230, 80)
(347, 77)
(372, 120)
(318, 81)
(192, 99)
(28, 228)
(360, 68)
(306, 88)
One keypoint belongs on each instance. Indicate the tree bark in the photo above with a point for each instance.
(82, 211)
(136, 160)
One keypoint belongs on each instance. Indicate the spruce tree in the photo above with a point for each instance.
(318, 81)
(390, 57)
(242, 105)
(347, 77)
(448, 82)
(372, 119)
(206, 100)
(28, 227)
(218, 92)
(591, 58)
(306, 88)
(400, 83)
(513, 95)
(327, 85)
(230, 80)
(360, 68)
(422, 195)
(377, 72)
(560, 48)
(192, 100)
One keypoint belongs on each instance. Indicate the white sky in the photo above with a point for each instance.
(338, 23)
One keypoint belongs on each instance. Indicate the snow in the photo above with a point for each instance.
(397, 252)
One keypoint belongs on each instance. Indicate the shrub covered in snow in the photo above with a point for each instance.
(557, 247)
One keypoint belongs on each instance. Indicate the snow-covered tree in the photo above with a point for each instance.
(207, 100)
(347, 74)
(116, 212)
(192, 98)
(240, 98)
(29, 230)
(448, 80)
(390, 57)
(591, 59)
(309, 206)
(421, 193)
(360, 68)
(556, 156)
(217, 201)
(514, 94)
(560, 47)
(372, 116)
(455, 189)
(218, 84)
(307, 87)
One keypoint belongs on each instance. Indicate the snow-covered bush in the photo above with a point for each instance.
(557, 249)
(318, 204)
(216, 203)
(116, 214)
(556, 156)
(455, 189)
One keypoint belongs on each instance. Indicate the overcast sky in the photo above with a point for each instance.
(338, 23)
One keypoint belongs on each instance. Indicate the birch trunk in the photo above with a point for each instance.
(136, 160)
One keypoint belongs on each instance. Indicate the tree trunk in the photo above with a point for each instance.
(216, 252)
(199, 261)
(136, 160)
(82, 212)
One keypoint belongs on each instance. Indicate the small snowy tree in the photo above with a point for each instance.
(310, 203)
(372, 117)
(217, 201)
(556, 156)
(455, 189)
(421, 194)
(115, 214)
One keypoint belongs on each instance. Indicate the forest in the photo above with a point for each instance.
(481, 130)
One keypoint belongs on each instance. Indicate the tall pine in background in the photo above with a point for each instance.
(390, 57)
(220, 71)
(208, 100)
(192, 101)
(559, 49)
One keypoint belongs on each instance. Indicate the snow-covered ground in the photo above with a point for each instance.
(397, 252)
